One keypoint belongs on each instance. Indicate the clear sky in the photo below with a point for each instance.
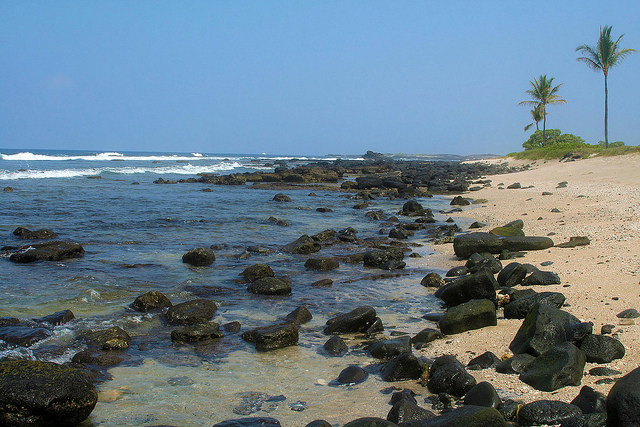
(306, 77)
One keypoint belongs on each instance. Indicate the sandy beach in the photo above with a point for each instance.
(601, 201)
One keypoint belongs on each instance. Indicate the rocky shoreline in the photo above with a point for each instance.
(548, 352)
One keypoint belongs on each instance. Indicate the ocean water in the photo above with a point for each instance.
(135, 232)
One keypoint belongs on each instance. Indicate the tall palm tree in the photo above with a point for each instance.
(536, 115)
(604, 55)
(543, 92)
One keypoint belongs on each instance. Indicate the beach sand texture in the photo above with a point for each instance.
(601, 201)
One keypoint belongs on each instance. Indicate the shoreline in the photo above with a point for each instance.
(601, 201)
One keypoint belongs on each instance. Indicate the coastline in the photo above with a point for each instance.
(601, 201)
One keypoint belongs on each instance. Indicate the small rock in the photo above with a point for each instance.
(352, 375)
(281, 198)
(630, 313)
(335, 345)
(152, 300)
(483, 394)
(199, 257)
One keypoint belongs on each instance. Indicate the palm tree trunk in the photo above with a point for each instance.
(544, 125)
(606, 112)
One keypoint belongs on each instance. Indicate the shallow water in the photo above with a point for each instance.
(121, 224)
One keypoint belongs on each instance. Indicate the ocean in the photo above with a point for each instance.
(135, 232)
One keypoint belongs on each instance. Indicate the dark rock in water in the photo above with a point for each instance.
(402, 367)
(269, 286)
(199, 257)
(335, 345)
(250, 422)
(474, 314)
(352, 375)
(24, 336)
(386, 349)
(413, 208)
(357, 320)
(322, 263)
(518, 309)
(324, 210)
(432, 280)
(623, 401)
(8, 189)
(195, 333)
(399, 233)
(57, 318)
(152, 300)
(513, 274)
(483, 394)
(6, 321)
(34, 393)
(477, 262)
(49, 251)
(516, 364)
(507, 231)
(232, 327)
(464, 416)
(192, 312)
(393, 265)
(555, 368)
(377, 257)
(586, 420)
(97, 357)
(575, 241)
(543, 328)
(466, 244)
(481, 285)
(114, 338)
(299, 316)
(630, 313)
(459, 201)
(281, 198)
(457, 271)
(542, 412)
(590, 401)
(541, 278)
(484, 361)
(425, 336)
(447, 375)
(27, 234)
(303, 245)
(406, 394)
(375, 327)
(272, 337)
(404, 411)
(370, 422)
(601, 348)
(257, 272)
(322, 283)
(324, 236)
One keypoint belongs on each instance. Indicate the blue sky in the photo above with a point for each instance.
(306, 77)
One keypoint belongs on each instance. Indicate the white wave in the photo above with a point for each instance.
(107, 156)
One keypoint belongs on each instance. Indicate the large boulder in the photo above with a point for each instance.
(474, 314)
(519, 308)
(196, 333)
(481, 285)
(466, 244)
(199, 257)
(557, 367)
(49, 251)
(541, 278)
(590, 401)
(483, 394)
(40, 394)
(546, 412)
(272, 337)
(192, 312)
(404, 411)
(447, 375)
(114, 338)
(623, 401)
(511, 275)
(23, 335)
(405, 366)
(357, 320)
(601, 348)
(387, 349)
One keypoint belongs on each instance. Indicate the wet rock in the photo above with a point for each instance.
(402, 367)
(257, 272)
(457, 271)
(114, 338)
(272, 337)
(393, 265)
(541, 278)
(370, 422)
(299, 316)
(601, 348)
(303, 245)
(322, 283)
(543, 328)
(483, 394)
(324, 236)
(324, 210)
(447, 375)
(481, 285)
(335, 345)
(281, 198)
(49, 251)
(232, 327)
(630, 313)
(152, 300)
(97, 357)
(516, 364)
(466, 244)
(404, 411)
(623, 401)
(386, 349)
(57, 318)
(22, 335)
(357, 320)
(432, 280)
(199, 257)
(250, 422)
(269, 286)
(399, 233)
(322, 263)
(413, 208)
(377, 257)
(195, 333)
(27, 234)
(8, 189)
(544, 412)
(425, 336)
(474, 314)
(484, 361)
(519, 308)
(352, 375)
(34, 393)
(557, 367)
(513, 274)
(192, 312)
(459, 201)
(590, 401)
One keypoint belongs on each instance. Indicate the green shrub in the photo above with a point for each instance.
(553, 137)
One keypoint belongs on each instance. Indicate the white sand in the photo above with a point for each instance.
(602, 202)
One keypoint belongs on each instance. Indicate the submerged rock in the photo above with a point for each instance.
(195, 333)
(152, 300)
(27, 234)
(357, 320)
(192, 312)
(49, 251)
(199, 257)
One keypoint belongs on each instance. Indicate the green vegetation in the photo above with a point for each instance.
(561, 145)
(554, 137)
(537, 114)
(543, 92)
(604, 55)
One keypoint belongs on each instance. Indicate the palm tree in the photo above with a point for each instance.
(536, 115)
(604, 55)
(543, 92)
